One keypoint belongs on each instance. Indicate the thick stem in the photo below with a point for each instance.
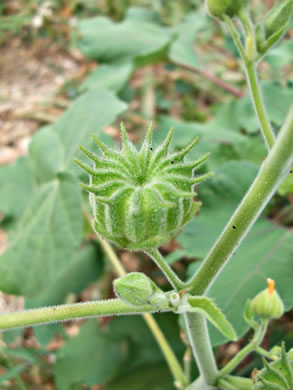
(156, 256)
(68, 312)
(240, 383)
(254, 343)
(273, 170)
(265, 125)
(202, 350)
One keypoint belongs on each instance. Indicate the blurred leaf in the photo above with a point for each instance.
(281, 54)
(154, 377)
(46, 238)
(45, 155)
(286, 187)
(182, 50)
(209, 309)
(239, 114)
(112, 77)
(126, 40)
(16, 188)
(223, 144)
(92, 357)
(85, 267)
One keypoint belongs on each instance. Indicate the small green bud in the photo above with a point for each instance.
(268, 304)
(278, 17)
(231, 8)
(142, 199)
(159, 300)
(134, 289)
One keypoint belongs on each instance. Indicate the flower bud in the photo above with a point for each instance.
(159, 300)
(278, 18)
(134, 289)
(268, 304)
(231, 8)
(141, 199)
(260, 37)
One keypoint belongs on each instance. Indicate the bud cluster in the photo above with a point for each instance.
(221, 8)
(141, 199)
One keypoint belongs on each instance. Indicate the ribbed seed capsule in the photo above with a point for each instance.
(141, 199)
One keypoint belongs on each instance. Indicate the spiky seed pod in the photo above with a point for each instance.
(141, 199)
(277, 375)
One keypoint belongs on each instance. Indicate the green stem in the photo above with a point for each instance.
(156, 256)
(241, 355)
(202, 350)
(68, 312)
(252, 80)
(240, 383)
(225, 385)
(265, 125)
(266, 353)
(273, 170)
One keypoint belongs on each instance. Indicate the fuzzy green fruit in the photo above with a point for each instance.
(231, 8)
(141, 199)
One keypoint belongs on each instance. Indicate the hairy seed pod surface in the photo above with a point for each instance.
(141, 199)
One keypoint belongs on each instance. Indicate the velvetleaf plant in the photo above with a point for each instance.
(141, 199)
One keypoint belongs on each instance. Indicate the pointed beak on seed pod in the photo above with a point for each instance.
(221, 8)
(141, 199)
(268, 304)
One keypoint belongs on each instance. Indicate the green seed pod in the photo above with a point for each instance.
(268, 304)
(231, 8)
(134, 289)
(277, 375)
(142, 199)
(278, 17)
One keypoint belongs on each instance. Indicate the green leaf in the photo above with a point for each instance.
(286, 187)
(126, 41)
(154, 377)
(46, 155)
(108, 76)
(85, 267)
(90, 358)
(46, 239)
(182, 50)
(208, 308)
(16, 188)
(89, 113)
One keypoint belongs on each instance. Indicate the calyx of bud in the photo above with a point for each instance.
(268, 304)
(135, 288)
(231, 8)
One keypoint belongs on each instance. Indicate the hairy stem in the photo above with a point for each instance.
(240, 383)
(252, 80)
(68, 312)
(202, 350)
(265, 125)
(254, 343)
(273, 170)
(165, 268)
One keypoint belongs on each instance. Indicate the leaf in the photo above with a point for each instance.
(92, 357)
(45, 240)
(182, 50)
(208, 308)
(155, 377)
(89, 113)
(108, 76)
(46, 155)
(16, 188)
(85, 267)
(126, 41)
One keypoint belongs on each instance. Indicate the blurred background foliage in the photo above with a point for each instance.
(69, 68)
